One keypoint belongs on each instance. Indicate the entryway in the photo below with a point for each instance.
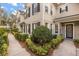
(69, 31)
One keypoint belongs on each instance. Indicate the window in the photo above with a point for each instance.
(33, 9)
(38, 24)
(60, 10)
(32, 27)
(24, 27)
(51, 27)
(65, 9)
(29, 28)
(29, 12)
(46, 9)
(38, 7)
(56, 28)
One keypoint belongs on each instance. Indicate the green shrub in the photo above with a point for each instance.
(21, 36)
(54, 36)
(41, 35)
(76, 41)
(57, 41)
(14, 30)
(24, 36)
(2, 31)
(38, 49)
(4, 48)
(3, 44)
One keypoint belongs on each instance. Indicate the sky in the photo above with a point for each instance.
(12, 7)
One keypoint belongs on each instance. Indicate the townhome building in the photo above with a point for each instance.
(62, 18)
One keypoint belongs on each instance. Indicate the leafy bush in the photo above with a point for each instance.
(2, 31)
(41, 35)
(57, 41)
(3, 44)
(76, 41)
(43, 49)
(21, 36)
(54, 36)
(14, 30)
(38, 49)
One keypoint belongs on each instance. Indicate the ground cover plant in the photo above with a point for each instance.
(42, 41)
(3, 42)
(76, 42)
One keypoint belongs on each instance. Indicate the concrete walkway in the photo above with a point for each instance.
(66, 48)
(14, 47)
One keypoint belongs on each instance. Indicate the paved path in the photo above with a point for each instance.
(14, 47)
(66, 48)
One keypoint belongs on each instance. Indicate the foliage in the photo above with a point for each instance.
(21, 36)
(41, 35)
(43, 49)
(76, 42)
(14, 29)
(54, 36)
(3, 42)
(38, 49)
(57, 41)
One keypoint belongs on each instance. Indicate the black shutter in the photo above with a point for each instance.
(60, 10)
(29, 13)
(66, 8)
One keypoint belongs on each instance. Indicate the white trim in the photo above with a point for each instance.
(73, 29)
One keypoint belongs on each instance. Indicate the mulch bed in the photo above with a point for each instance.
(23, 44)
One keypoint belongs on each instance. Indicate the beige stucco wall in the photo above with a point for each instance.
(76, 30)
(73, 8)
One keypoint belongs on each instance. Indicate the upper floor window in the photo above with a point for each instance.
(33, 9)
(29, 12)
(64, 9)
(38, 7)
(46, 9)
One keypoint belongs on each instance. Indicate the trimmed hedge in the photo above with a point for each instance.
(21, 36)
(41, 35)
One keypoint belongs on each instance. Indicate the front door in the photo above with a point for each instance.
(69, 31)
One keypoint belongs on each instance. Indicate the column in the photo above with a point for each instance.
(31, 28)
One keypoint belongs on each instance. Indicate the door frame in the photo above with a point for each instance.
(73, 29)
